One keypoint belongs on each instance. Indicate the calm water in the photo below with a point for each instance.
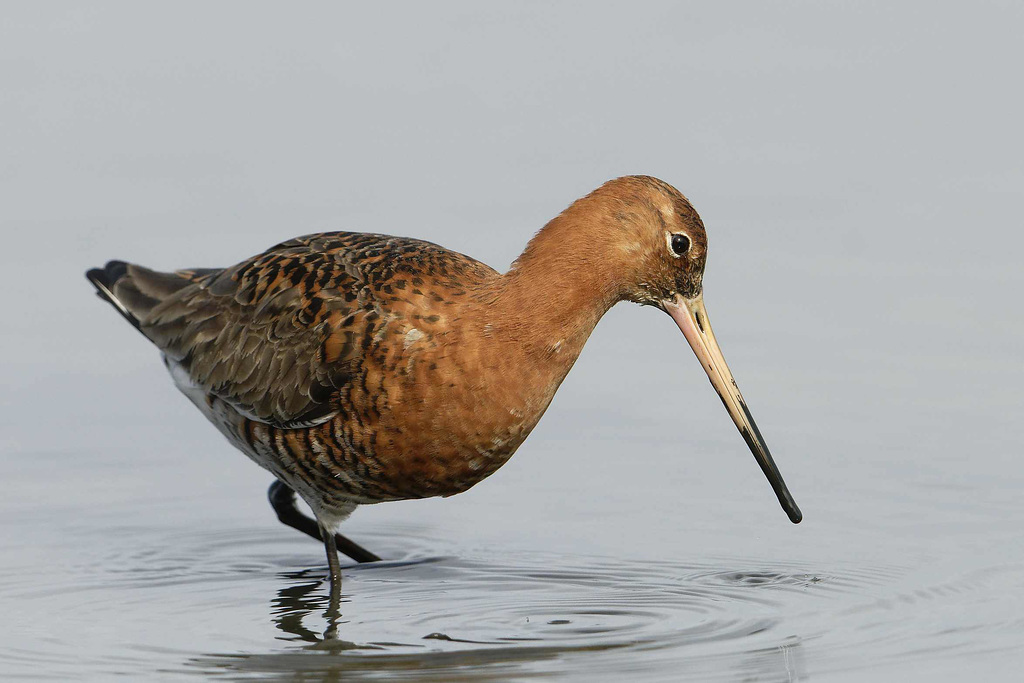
(864, 281)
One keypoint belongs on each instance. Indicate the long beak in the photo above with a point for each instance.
(692, 318)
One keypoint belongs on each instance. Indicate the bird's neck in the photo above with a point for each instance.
(543, 310)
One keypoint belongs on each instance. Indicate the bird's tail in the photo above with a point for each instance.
(104, 280)
(134, 291)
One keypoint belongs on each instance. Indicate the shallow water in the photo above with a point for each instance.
(249, 602)
(858, 168)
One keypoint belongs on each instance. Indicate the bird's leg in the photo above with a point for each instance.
(334, 569)
(282, 498)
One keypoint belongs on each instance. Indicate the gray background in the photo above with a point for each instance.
(858, 166)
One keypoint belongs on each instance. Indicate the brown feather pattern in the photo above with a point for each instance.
(360, 368)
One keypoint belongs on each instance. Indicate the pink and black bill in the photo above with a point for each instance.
(692, 318)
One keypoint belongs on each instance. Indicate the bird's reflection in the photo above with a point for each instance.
(304, 595)
(299, 598)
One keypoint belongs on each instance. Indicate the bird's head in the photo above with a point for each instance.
(653, 251)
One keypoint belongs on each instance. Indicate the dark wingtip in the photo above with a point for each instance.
(115, 270)
(108, 274)
(96, 275)
(103, 279)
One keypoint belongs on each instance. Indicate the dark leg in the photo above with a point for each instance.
(334, 606)
(282, 498)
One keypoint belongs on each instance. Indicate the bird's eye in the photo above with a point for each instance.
(680, 244)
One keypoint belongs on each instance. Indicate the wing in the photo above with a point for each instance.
(277, 336)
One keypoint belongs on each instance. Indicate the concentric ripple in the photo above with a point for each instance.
(190, 605)
(535, 614)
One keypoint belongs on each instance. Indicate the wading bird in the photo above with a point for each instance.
(362, 368)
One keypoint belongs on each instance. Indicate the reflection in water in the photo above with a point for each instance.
(502, 616)
(450, 619)
(296, 601)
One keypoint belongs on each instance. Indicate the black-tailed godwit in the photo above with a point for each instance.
(363, 368)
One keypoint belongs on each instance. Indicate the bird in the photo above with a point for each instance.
(361, 368)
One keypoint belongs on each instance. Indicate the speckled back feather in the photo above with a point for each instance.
(280, 334)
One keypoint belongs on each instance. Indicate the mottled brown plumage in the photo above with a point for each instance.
(363, 368)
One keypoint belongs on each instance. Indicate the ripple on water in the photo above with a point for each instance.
(534, 614)
(498, 617)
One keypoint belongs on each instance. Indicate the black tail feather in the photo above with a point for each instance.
(104, 279)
